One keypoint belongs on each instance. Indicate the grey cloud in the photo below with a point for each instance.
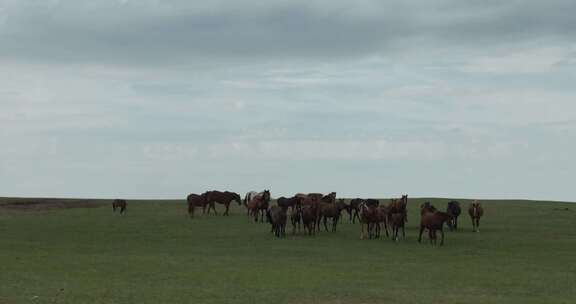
(290, 30)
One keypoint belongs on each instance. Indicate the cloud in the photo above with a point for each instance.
(158, 32)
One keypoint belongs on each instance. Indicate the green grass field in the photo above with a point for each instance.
(525, 253)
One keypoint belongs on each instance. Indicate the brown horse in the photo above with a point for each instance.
(220, 197)
(476, 212)
(312, 200)
(355, 209)
(434, 221)
(247, 198)
(296, 218)
(454, 210)
(382, 220)
(195, 200)
(332, 211)
(398, 216)
(426, 207)
(309, 219)
(119, 204)
(276, 215)
(368, 217)
(259, 204)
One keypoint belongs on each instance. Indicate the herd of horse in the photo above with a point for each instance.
(308, 211)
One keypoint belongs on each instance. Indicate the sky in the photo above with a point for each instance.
(368, 98)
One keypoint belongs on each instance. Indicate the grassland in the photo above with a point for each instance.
(525, 253)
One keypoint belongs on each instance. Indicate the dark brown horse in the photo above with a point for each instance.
(476, 212)
(291, 202)
(259, 204)
(454, 210)
(276, 215)
(195, 200)
(220, 197)
(119, 204)
(398, 216)
(355, 209)
(332, 211)
(296, 218)
(309, 219)
(434, 221)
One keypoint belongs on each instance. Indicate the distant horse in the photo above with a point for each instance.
(309, 219)
(312, 200)
(434, 221)
(476, 211)
(427, 207)
(296, 218)
(332, 211)
(259, 204)
(341, 203)
(276, 215)
(382, 220)
(398, 216)
(195, 200)
(355, 209)
(119, 204)
(454, 210)
(368, 217)
(291, 202)
(220, 197)
(247, 198)
(326, 200)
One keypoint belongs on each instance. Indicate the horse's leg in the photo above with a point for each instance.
(227, 208)
(362, 231)
(478, 224)
(403, 231)
(386, 228)
(430, 236)
(420, 234)
(442, 235)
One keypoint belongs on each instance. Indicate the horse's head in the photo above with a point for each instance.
(266, 195)
(237, 198)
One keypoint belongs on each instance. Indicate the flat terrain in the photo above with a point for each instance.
(525, 253)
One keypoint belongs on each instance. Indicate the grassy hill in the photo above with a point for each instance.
(69, 253)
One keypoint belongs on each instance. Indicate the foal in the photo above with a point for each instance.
(476, 213)
(434, 221)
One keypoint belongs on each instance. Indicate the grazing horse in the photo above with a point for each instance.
(434, 221)
(309, 219)
(368, 217)
(119, 204)
(454, 210)
(247, 198)
(355, 209)
(276, 215)
(476, 211)
(426, 208)
(224, 198)
(195, 200)
(259, 204)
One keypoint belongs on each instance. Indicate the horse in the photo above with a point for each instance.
(313, 201)
(195, 200)
(220, 197)
(454, 210)
(247, 198)
(341, 203)
(368, 217)
(434, 221)
(276, 215)
(330, 210)
(382, 219)
(259, 204)
(119, 204)
(398, 216)
(355, 209)
(476, 211)
(291, 202)
(296, 218)
(309, 219)
(329, 199)
(427, 207)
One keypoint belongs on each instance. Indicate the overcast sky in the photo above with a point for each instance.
(157, 99)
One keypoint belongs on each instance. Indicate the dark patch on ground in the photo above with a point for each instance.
(41, 204)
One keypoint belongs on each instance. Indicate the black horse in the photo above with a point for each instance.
(454, 210)
(119, 204)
